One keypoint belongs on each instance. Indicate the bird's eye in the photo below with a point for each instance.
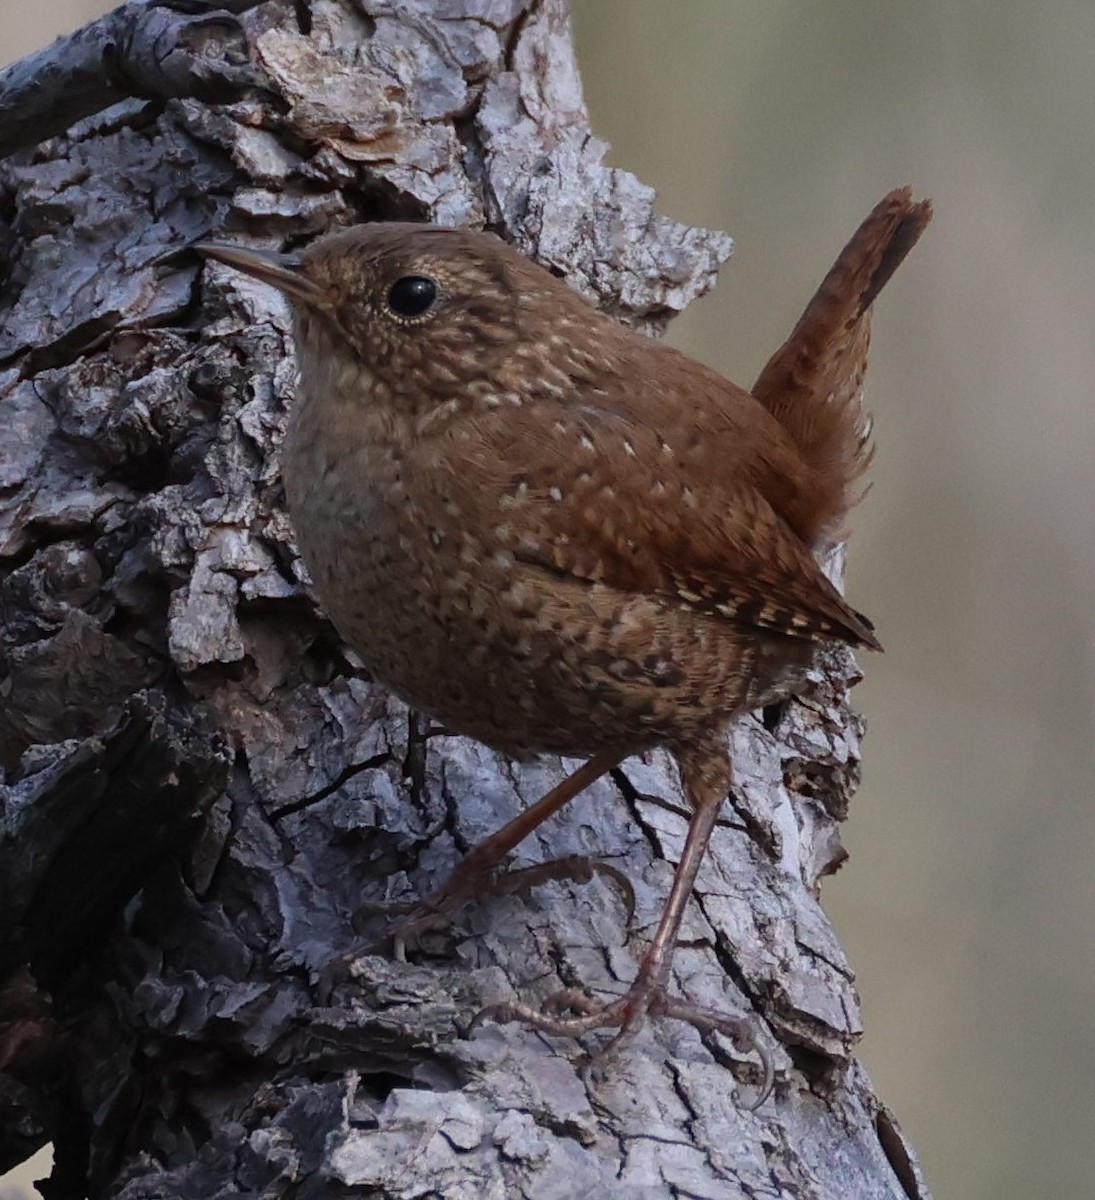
(412, 295)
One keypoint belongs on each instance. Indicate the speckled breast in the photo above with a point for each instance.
(504, 652)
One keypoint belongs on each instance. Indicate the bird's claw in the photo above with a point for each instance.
(417, 918)
(628, 1011)
(577, 868)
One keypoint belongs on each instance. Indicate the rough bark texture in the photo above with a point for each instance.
(202, 790)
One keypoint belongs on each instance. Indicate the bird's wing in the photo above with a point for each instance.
(605, 497)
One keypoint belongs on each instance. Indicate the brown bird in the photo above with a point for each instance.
(556, 535)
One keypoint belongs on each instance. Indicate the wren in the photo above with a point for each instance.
(556, 535)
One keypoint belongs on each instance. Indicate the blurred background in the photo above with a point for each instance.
(967, 905)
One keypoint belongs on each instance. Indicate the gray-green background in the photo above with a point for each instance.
(968, 902)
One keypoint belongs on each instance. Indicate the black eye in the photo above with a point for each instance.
(412, 295)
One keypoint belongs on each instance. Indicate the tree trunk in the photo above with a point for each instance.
(203, 792)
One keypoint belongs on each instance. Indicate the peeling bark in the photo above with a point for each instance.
(203, 793)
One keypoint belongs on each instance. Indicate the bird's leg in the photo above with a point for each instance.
(705, 774)
(628, 1010)
(475, 874)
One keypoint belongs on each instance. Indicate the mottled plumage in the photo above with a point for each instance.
(554, 534)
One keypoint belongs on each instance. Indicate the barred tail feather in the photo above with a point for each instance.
(813, 384)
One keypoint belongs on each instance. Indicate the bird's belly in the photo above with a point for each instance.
(529, 662)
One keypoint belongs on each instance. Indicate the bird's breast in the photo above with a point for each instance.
(346, 495)
(389, 566)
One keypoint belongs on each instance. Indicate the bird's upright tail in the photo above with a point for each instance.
(813, 383)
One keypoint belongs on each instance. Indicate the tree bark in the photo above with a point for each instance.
(203, 792)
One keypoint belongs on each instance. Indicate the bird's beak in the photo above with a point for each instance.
(279, 270)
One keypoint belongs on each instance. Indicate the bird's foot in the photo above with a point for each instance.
(479, 873)
(412, 922)
(574, 868)
(628, 1012)
(416, 919)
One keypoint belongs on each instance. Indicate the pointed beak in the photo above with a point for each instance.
(279, 270)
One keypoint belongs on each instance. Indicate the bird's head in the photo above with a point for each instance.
(426, 311)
